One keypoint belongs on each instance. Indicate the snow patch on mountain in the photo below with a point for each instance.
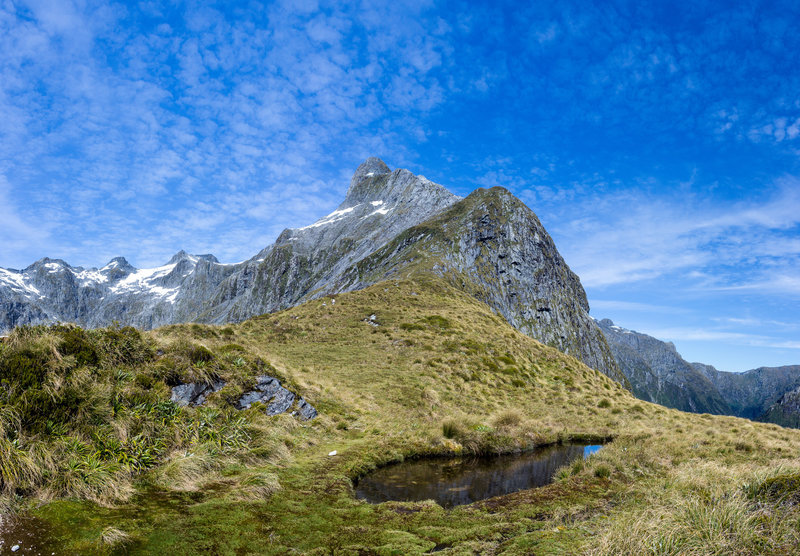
(142, 280)
(91, 276)
(335, 216)
(16, 281)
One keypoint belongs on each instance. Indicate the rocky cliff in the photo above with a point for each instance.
(659, 374)
(752, 393)
(390, 223)
(785, 411)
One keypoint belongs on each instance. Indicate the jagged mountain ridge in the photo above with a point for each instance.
(753, 393)
(390, 223)
(659, 374)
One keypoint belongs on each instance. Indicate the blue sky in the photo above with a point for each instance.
(657, 143)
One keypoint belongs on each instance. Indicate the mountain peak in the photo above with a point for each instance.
(184, 256)
(373, 166)
(118, 265)
(375, 183)
(179, 256)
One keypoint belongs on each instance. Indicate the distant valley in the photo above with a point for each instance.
(659, 374)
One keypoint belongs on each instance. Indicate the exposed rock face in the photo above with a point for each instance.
(277, 398)
(659, 374)
(391, 223)
(194, 393)
(268, 391)
(784, 412)
(752, 393)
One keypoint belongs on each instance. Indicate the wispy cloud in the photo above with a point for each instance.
(601, 305)
(735, 338)
(632, 236)
(165, 124)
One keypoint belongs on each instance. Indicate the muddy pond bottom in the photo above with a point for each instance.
(456, 481)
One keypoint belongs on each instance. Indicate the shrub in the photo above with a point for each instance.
(22, 369)
(199, 354)
(508, 418)
(783, 487)
(604, 403)
(602, 472)
(438, 322)
(507, 359)
(452, 429)
(123, 345)
(75, 341)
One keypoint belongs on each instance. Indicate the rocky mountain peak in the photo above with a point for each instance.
(179, 256)
(373, 166)
(374, 182)
(118, 263)
(47, 262)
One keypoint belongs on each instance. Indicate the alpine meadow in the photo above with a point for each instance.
(398, 364)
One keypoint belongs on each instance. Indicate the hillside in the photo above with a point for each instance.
(400, 369)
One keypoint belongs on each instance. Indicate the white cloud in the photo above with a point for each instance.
(614, 305)
(631, 236)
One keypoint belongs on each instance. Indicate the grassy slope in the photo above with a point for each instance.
(671, 482)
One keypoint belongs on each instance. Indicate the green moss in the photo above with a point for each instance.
(783, 487)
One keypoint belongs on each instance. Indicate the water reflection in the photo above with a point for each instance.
(456, 481)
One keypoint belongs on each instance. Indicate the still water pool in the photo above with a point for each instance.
(456, 481)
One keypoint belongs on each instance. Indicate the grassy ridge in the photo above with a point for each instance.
(439, 374)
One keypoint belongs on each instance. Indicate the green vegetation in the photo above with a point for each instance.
(86, 425)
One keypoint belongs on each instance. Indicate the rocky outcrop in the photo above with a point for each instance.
(659, 374)
(268, 391)
(391, 223)
(194, 393)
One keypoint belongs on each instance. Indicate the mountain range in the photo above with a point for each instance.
(393, 225)
(390, 225)
(658, 373)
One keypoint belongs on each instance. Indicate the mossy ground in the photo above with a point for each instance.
(439, 374)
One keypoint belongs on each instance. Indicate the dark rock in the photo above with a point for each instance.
(278, 399)
(194, 393)
(306, 410)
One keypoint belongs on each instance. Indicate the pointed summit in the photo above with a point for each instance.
(373, 166)
(179, 256)
(375, 183)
